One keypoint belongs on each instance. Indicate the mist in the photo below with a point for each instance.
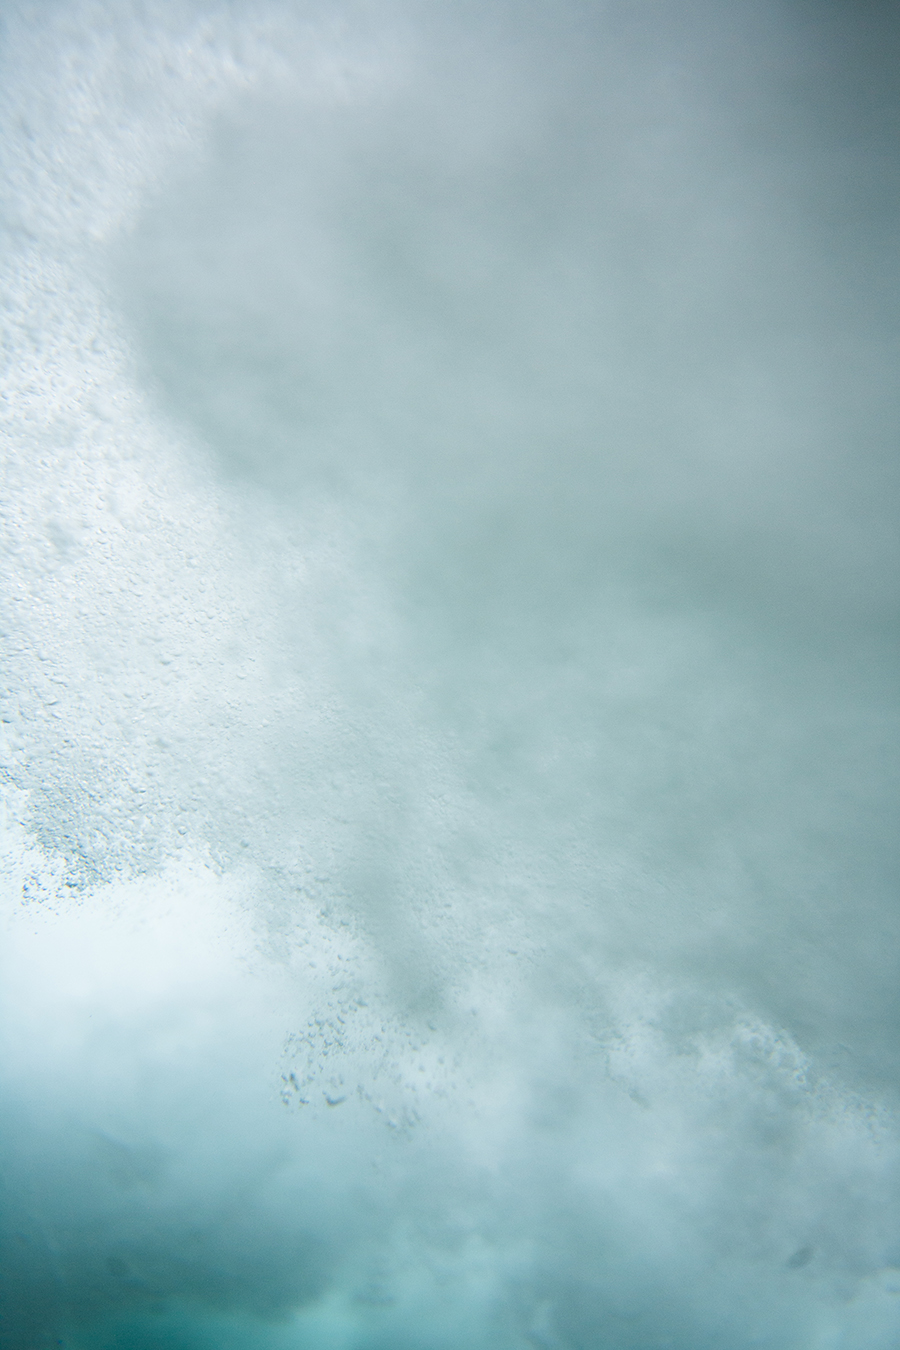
(449, 706)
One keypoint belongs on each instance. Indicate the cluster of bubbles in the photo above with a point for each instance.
(449, 700)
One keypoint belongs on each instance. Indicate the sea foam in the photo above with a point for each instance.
(449, 707)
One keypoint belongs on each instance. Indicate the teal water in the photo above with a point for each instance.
(449, 718)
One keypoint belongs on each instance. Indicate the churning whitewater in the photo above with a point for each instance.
(449, 704)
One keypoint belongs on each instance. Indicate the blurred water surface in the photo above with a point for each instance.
(450, 706)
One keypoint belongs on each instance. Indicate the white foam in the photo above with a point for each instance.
(420, 920)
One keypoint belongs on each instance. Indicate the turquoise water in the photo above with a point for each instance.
(450, 677)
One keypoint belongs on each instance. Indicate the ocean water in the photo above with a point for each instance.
(450, 682)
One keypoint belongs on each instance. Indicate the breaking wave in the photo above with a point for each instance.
(449, 708)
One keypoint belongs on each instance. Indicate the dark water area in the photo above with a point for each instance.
(450, 676)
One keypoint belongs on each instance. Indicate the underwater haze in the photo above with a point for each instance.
(450, 675)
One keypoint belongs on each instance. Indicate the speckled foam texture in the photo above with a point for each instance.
(449, 705)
